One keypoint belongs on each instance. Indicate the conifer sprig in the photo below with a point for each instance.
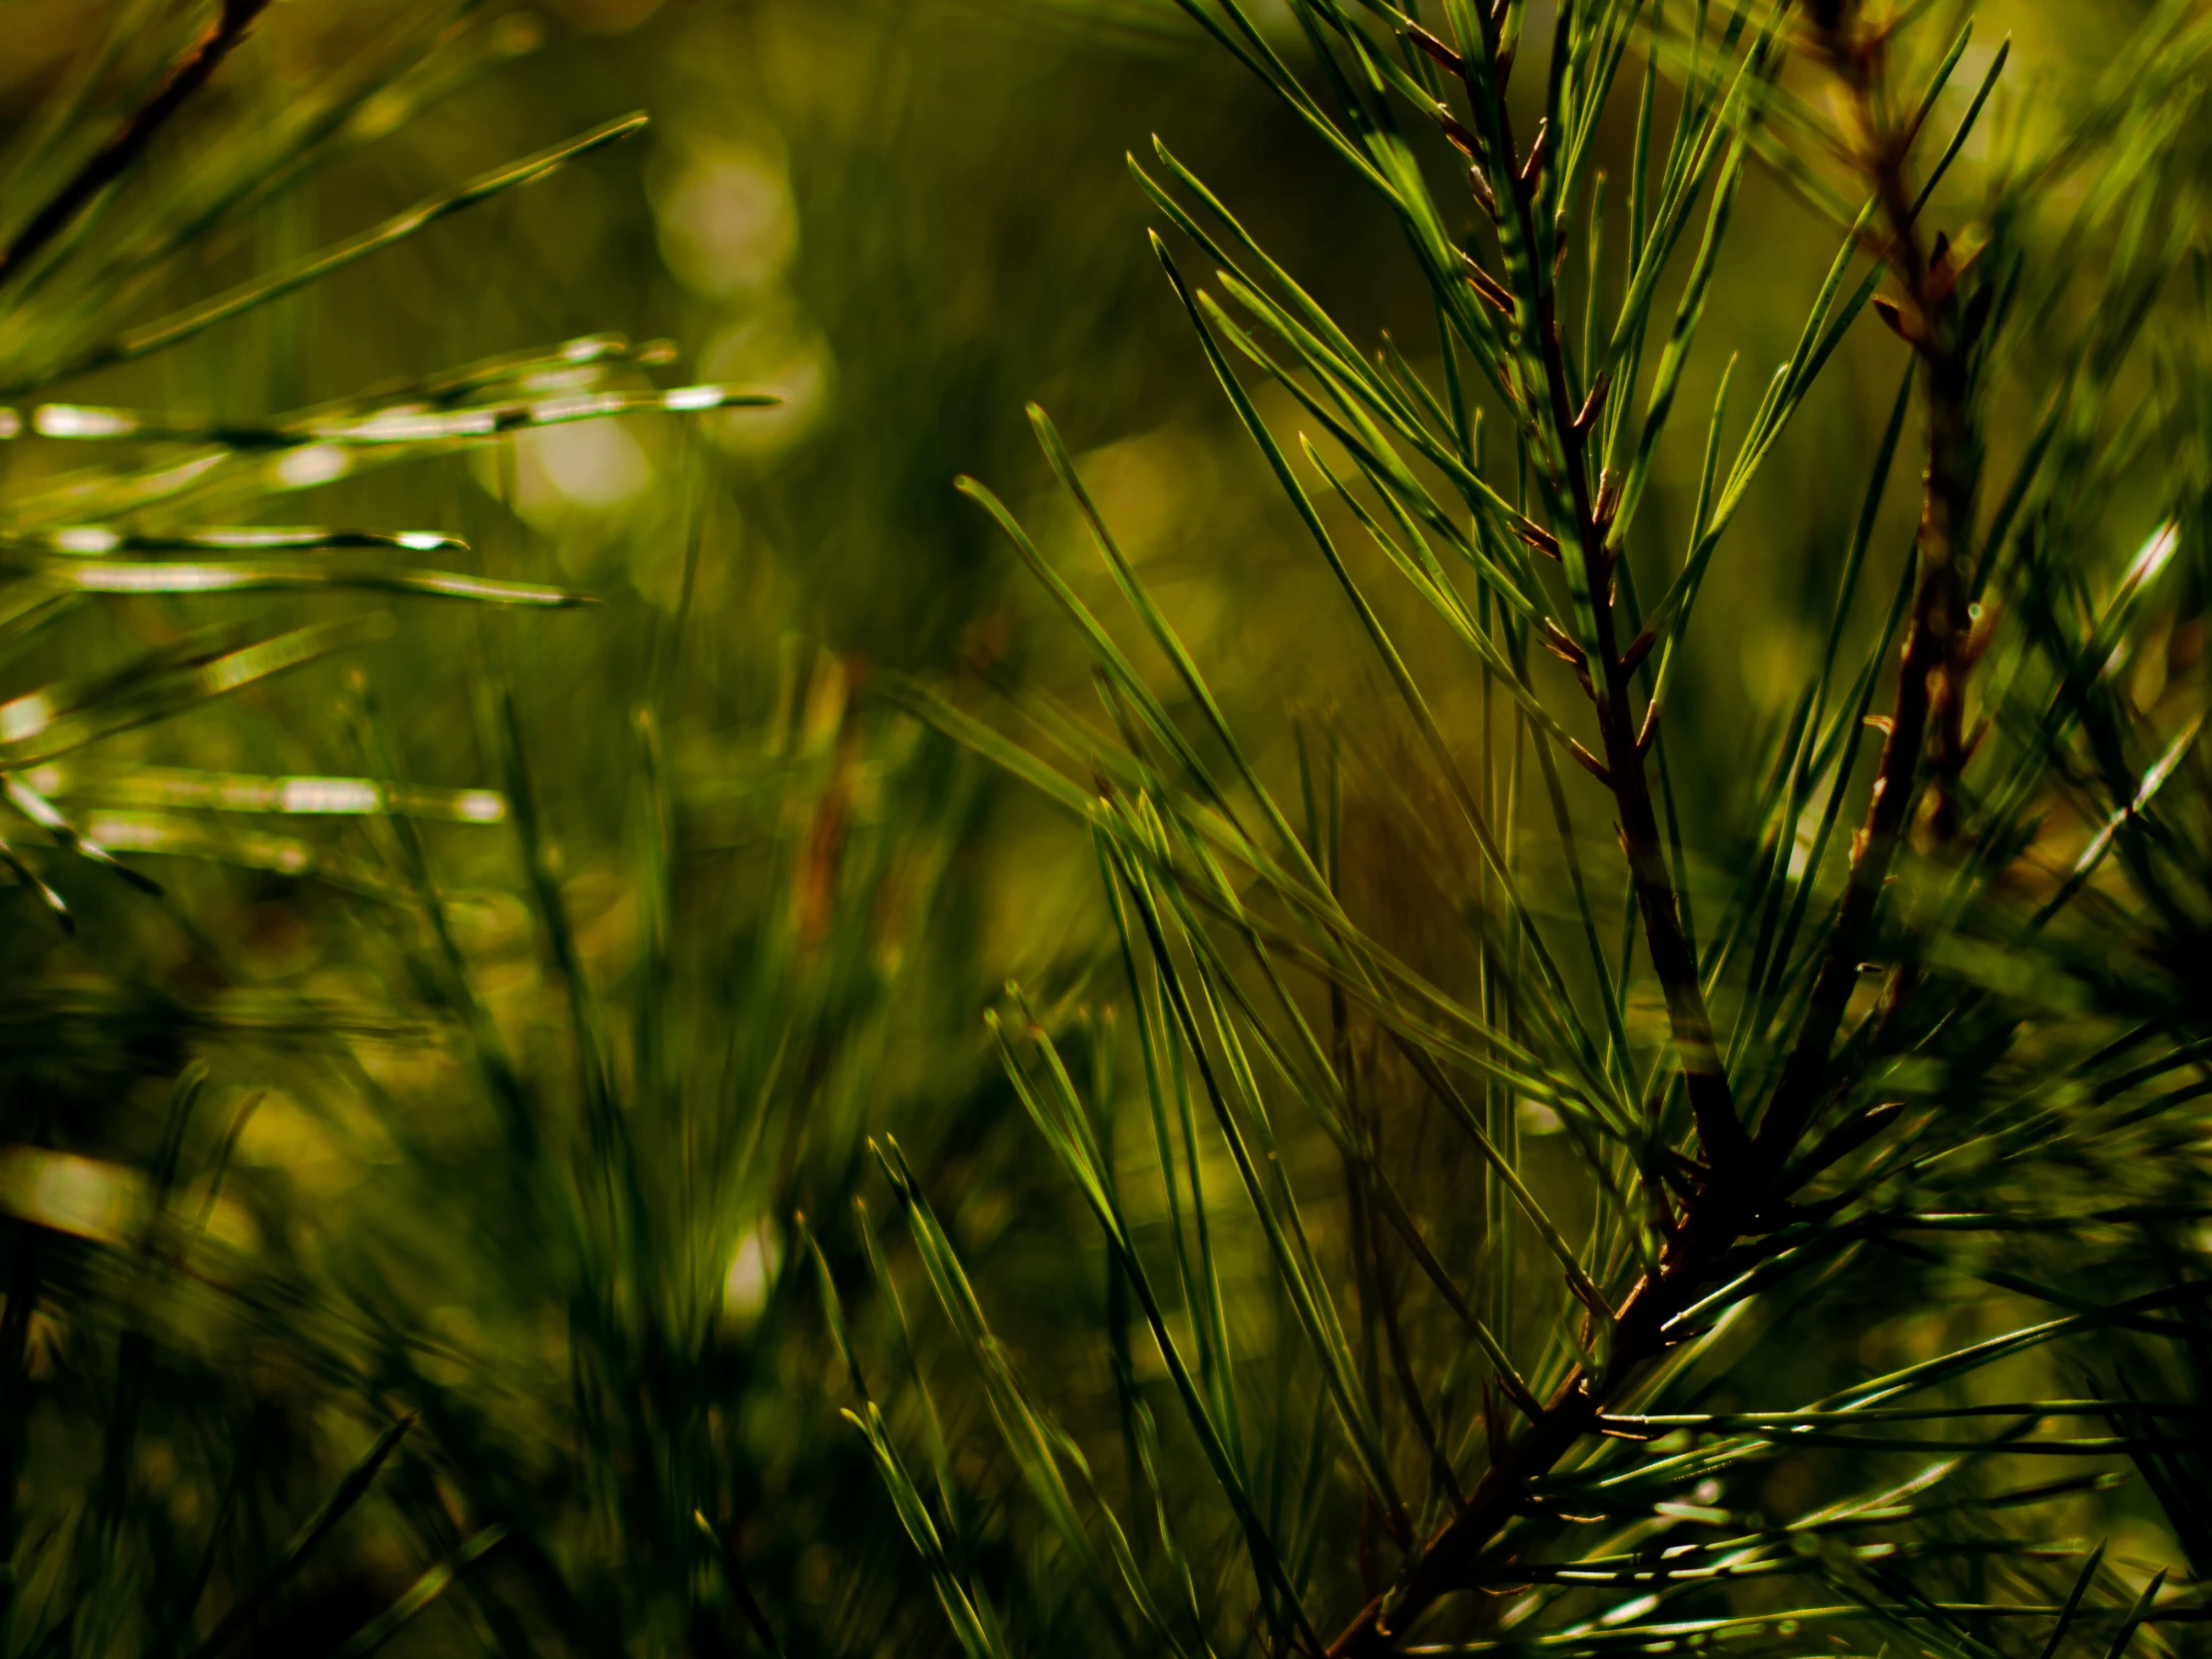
(1845, 1039)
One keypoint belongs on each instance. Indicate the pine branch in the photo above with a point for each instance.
(1926, 723)
(1719, 1127)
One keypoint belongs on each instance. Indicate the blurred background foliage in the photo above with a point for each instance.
(408, 1192)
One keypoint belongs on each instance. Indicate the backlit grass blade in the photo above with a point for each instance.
(732, 1576)
(1674, 356)
(54, 903)
(233, 792)
(1328, 335)
(494, 1062)
(587, 1019)
(172, 836)
(96, 541)
(38, 726)
(1163, 633)
(2072, 1605)
(421, 1594)
(1251, 47)
(174, 331)
(104, 577)
(1096, 1185)
(1131, 684)
(260, 1597)
(32, 805)
(1318, 1321)
(968, 1612)
(1038, 1445)
(386, 426)
(940, 1456)
(1350, 425)
(1201, 1285)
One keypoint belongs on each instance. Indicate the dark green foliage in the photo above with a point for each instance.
(451, 1279)
(1614, 1064)
(1872, 1182)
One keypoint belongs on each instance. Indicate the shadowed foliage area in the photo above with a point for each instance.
(1503, 949)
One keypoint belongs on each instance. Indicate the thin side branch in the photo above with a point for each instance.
(131, 140)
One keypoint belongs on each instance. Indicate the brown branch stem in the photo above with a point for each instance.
(1690, 1022)
(109, 163)
(1926, 722)
(1926, 726)
(1720, 1130)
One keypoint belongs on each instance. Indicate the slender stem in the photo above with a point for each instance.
(723, 1540)
(1690, 1021)
(1929, 716)
(1638, 1336)
(1719, 1128)
(1926, 725)
(130, 140)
